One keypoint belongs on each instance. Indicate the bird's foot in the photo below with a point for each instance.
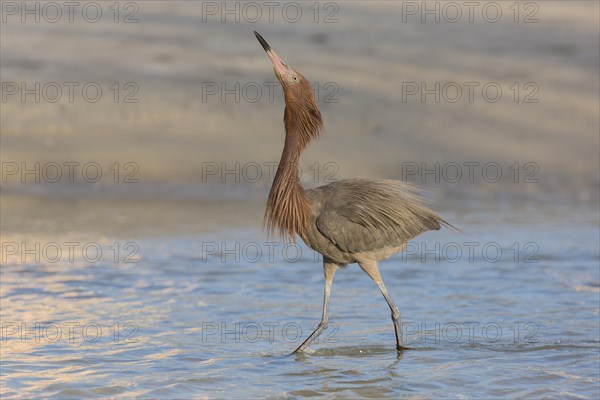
(401, 348)
(301, 352)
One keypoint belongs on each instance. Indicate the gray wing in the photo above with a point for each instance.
(369, 214)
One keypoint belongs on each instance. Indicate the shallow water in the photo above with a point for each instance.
(196, 316)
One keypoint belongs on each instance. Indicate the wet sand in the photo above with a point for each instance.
(172, 133)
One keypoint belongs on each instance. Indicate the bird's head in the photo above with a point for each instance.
(288, 77)
(302, 112)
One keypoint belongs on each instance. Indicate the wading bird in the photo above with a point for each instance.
(349, 221)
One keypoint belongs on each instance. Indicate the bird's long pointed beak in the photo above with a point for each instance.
(278, 63)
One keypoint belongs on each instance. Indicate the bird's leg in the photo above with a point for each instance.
(395, 317)
(329, 269)
(372, 270)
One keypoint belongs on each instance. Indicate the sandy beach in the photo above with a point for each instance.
(203, 114)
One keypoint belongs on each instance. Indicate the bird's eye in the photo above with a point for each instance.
(295, 78)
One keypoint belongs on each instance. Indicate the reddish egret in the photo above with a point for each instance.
(350, 221)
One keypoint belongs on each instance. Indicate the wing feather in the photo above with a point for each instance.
(360, 215)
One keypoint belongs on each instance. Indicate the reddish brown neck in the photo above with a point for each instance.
(288, 207)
